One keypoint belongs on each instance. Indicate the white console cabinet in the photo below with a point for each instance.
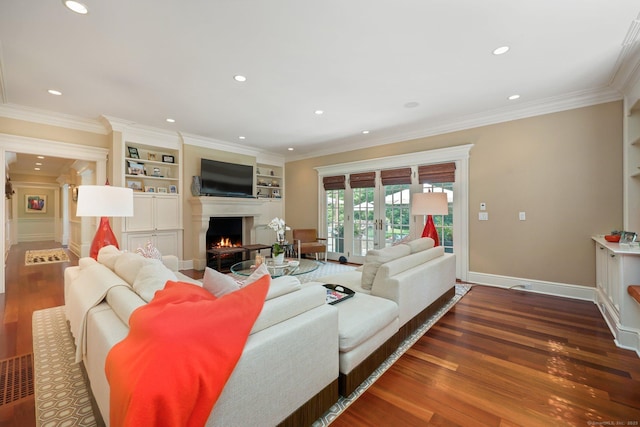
(617, 267)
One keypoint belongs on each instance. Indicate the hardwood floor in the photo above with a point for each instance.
(499, 358)
(508, 358)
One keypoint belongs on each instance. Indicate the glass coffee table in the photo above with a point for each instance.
(290, 267)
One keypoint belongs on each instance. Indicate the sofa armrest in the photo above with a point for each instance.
(285, 307)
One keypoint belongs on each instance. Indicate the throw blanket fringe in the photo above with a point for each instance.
(181, 349)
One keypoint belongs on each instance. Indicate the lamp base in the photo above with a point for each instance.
(104, 237)
(430, 231)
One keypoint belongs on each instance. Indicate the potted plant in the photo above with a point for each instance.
(278, 253)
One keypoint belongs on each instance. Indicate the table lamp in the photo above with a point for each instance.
(104, 201)
(430, 204)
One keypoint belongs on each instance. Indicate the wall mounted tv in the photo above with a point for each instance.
(225, 179)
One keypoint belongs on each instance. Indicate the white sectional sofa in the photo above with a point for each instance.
(287, 373)
(414, 277)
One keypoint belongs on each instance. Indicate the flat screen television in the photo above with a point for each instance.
(225, 179)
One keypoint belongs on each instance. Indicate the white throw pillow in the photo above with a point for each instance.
(217, 283)
(86, 262)
(257, 273)
(421, 244)
(152, 278)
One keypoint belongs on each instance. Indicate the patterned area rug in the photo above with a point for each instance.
(45, 256)
(61, 394)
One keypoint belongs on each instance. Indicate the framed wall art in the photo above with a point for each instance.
(36, 203)
(133, 152)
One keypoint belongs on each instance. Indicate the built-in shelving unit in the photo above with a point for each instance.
(269, 181)
(152, 169)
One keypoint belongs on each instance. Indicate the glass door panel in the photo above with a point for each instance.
(335, 221)
(364, 221)
(397, 214)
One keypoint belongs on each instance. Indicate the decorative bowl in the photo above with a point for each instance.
(615, 238)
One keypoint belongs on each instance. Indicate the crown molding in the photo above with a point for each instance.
(549, 105)
(142, 134)
(20, 112)
(216, 144)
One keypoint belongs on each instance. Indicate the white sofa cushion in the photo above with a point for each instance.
(122, 301)
(397, 266)
(285, 307)
(421, 244)
(108, 255)
(128, 265)
(361, 317)
(151, 278)
(376, 257)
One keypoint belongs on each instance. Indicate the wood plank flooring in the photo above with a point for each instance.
(508, 358)
(499, 358)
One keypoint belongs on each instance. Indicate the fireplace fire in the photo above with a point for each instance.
(226, 242)
(224, 233)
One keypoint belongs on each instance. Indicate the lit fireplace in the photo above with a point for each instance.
(226, 242)
(224, 233)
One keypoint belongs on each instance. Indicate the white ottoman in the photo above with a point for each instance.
(366, 326)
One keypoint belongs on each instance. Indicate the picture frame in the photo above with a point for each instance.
(134, 184)
(35, 203)
(163, 190)
(275, 193)
(149, 189)
(74, 194)
(173, 189)
(152, 156)
(135, 168)
(166, 158)
(628, 237)
(133, 152)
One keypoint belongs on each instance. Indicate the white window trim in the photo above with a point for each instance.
(458, 154)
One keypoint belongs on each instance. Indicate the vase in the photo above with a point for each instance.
(195, 186)
(279, 259)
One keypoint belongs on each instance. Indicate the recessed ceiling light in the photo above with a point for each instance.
(242, 137)
(239, 78)
(364, 132)
(412, 104)
(54, 92)
(76, 6)
(319, 112)
(38, 164)
(37, 169)
(290, 148)
(41, 157)
(501, 50)
(171, 120)
(513, 97)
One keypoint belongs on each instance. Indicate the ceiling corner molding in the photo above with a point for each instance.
(3, 91)
(216, 144)
(19, 112)
(550, 105)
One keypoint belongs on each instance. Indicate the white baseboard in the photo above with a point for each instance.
(186, 264)
(585, 293)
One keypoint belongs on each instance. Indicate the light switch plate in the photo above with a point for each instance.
(483, 216)
(522, 216)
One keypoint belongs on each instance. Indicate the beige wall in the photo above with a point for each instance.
(191, 167)
(53, 133)
(564, 170)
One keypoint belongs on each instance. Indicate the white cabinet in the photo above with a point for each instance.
(617, 267)
(167, 242)
(154, 212)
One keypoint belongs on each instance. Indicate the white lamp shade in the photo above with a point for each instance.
(429, 204)
(104, 200)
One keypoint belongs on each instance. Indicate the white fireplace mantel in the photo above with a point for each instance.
(204, 208)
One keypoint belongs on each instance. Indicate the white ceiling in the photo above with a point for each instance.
(361, 62)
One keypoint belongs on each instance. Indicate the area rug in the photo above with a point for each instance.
(61, 394)
(45, 256)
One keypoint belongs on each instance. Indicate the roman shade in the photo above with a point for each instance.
(362, 180)
(442, 172)
(334, 182)
(396, 176)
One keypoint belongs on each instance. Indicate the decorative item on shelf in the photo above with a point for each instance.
(134, 185)
(628, 237)
(173, 189)
(162, 190)
(259, 260)
(168, 159)
(195, 186)
(275, 193)
(156, 172)
(271, 173)
(135, 168)
(133, 152)
(152, 156)
(150, 189)
(614, 237)
(430, 204)
(74, 193)
(104, 201)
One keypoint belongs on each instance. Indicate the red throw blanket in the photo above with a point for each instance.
(180, 351)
